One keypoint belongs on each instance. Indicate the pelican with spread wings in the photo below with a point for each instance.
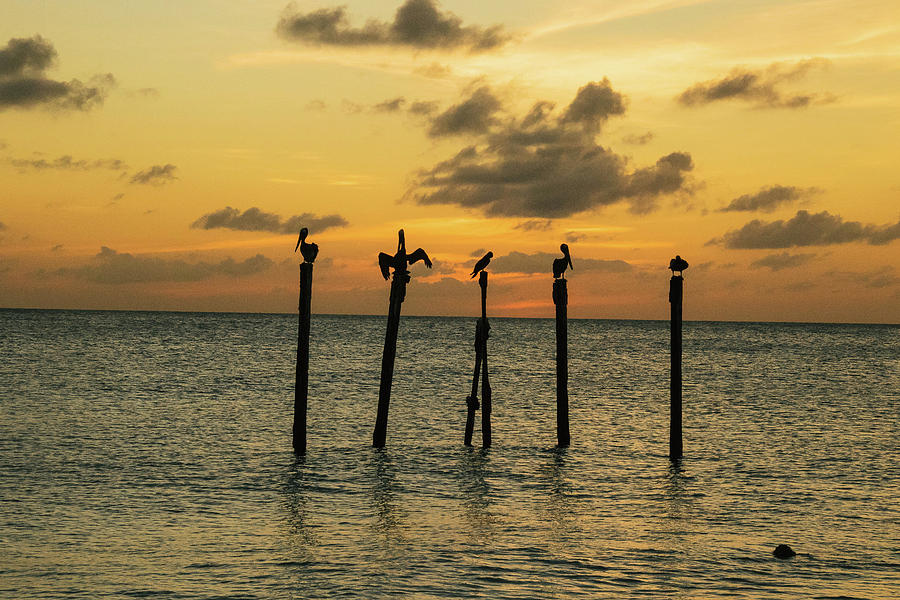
(401, 259)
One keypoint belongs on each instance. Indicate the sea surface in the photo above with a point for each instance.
(148, 455)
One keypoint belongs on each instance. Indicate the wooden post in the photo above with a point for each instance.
(301, 383)
(676, 288)
(561, 300)
(472, 399)
(398, 294)
(485, 382)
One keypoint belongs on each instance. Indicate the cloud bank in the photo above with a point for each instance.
(254, 219)
(112, 267)
(777, 262)
(806, 229)
(417, 24)
(542, 165)
(542, 262)
(761, 87)
(24, 84)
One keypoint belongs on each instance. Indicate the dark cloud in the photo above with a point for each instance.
(155, 175)
(542, 165)
(393, 105)
(475, 253)
(23, 83)
(805, 229)
(594, 104)
(535, 225)
(114, 267)
(475, 115)
(417, 24)
(56, 248)
(542, 262)
(254, 219)
(777, 262)
(638, 140)
(66, 162)
(2, 226)
(769, 198)
(759, 87)
(879, 277)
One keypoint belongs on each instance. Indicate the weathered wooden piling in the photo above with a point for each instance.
(676, 288)
(561, 300)
(486, 437)
(398, 294)
(472, 399)
(301, 383)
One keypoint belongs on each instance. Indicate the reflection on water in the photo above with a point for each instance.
(296, 498)
(388, 516)
(475, 494)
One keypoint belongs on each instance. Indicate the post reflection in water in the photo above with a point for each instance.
(558, 507)
(300, 537)
(475, 494)
(388, 517)
(677, 527)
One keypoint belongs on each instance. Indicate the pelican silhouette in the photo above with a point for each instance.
(560, 264)
(399, 260)
(309, 251)
(482, 263)
(678, 264)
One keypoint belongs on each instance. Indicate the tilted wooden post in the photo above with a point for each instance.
(398, 294)
(485, 382)
(561, 300)
(676, 288)
(301, 383)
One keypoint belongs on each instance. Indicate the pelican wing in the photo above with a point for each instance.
(418, 255)
(385, 262)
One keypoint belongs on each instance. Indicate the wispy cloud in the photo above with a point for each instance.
(68, 163)
(155, 175)
(777, 262)
(542, 262)
(769, 198)
(761, 87)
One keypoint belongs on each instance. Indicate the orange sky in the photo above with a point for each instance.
(161, 156)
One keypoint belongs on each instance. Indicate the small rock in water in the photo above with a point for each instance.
(783, 551)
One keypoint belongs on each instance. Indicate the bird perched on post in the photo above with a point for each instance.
(399, 260)
(482, 263)
(678, 264)
(560, 264)
(309, 251)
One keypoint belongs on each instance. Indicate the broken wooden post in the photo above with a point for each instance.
(561, 300)
(301, 382)
(398, 263)
(472, 399)
(485, 382)
(676, 288)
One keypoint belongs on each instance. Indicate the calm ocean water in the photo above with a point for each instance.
(149, 455)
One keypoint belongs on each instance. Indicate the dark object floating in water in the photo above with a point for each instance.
(783, 551)
(482, 263)
(309, 251)
(560, 264)
(678, 264)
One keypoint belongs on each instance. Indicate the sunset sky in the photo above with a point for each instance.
(162, 155)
